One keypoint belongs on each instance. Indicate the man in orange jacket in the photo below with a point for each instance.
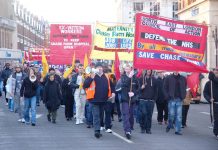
(98, 89)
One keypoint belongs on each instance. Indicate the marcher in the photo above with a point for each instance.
(98, 89)
(185, 107)
(162, 103)
(147, 98)
(129, 91)
(68, 97)
(52, 98)
(28, 92)
(175, 92)
(212, 94)
(79, 94)
(16, 103)
(4, 76)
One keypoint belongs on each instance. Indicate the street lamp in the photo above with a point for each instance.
(216, 42)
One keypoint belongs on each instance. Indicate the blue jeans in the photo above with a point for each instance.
(38, 95)
(97, 113)
(175, 114)
(11, 105)
(106, 115)
(127, 116)
(145, 108)
(30, 103)
(89, 117)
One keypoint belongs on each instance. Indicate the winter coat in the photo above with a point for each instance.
(5, 75)
(170, 87)
(57, 79)
(52, 95)
(101, 89)
(150, 90)
(125, 88)
(207, 88)
(160, 93)
(28, 88)
(73, 84)
(66, 89)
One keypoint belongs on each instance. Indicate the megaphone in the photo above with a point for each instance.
(89, 70)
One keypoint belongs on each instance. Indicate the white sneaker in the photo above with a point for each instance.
(102, 128)
(81, 121)
(108, 131)
(19, 120)
(77, 121)
(23, 120)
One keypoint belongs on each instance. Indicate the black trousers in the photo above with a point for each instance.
(69, 102)
(185, 109)
(162, 109)
(215, 127)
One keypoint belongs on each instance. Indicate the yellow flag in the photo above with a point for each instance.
(112, 68)
(86, 62)
(68, 71)
(44, 64)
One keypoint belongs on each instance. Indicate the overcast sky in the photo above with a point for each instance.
(72, 11)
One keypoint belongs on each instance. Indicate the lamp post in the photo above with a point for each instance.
(216, 42)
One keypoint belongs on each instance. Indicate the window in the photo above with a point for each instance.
(155, 8)
(175, 10)
(138, 6)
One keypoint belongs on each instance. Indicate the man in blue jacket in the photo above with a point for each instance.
(101, 94)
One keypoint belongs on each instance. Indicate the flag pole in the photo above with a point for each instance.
(211, 113)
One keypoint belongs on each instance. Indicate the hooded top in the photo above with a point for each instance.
(207, 88)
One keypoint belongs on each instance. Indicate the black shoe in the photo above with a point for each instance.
(68, 119)
(88, 126)
(142, 130)
(148, 131)
(167, 129)
(128, 135)
(38, 104)
(33, 124)
(120, 119)
(54, 121)
(98, 135)
(49, 118)
(178, 133)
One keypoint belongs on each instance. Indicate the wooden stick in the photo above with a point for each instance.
(211, 88)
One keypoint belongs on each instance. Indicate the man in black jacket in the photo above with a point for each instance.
(162, 103)
(175, 92)
(147, 97)
(102, 87)
(129, 90)
(4, 76)
(213, 77)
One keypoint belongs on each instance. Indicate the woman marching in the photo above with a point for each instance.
(52, 98)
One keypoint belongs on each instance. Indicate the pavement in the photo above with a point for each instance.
(67, 136)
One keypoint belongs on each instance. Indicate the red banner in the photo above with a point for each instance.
(165, 44)
(65, 39)
(193, 83)
(35, 54)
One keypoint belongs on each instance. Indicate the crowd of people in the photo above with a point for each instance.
(95, 97)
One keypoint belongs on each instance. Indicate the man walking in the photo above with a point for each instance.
(175, 92)
(98, 89)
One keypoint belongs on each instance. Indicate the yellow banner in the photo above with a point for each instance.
(114, 38)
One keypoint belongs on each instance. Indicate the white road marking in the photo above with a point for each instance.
(122, 138)
(206, 113)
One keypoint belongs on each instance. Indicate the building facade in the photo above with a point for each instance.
(126, 9)
(203, 12)
(31, 29)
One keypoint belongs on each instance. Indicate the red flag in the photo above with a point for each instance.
(117, 66)
(193, 83)
(139, 74)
